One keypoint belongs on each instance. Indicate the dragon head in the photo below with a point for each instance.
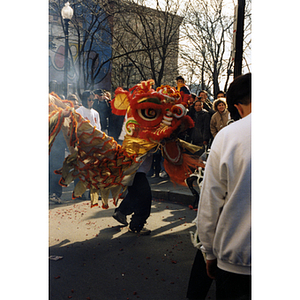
(152, 115)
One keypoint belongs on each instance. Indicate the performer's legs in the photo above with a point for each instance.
(141, 200)
(124, 209)
(126, 206)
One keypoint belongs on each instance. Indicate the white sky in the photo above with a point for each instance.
(228, 8)
(152, 3)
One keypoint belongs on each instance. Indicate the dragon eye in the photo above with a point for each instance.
(148, 114)
(178, 111)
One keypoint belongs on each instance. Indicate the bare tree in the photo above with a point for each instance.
(147, 39)
(208, 30)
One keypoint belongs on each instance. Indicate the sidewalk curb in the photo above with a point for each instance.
(171, 196)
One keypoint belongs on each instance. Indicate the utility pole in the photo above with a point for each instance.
(238, 59)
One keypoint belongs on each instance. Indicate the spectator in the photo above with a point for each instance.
(115, 127)
(221, 94)
(108, 96)
(193, 98)
(183, 89)
(102, 106)
(207, 105)
(74, 99)
(56, 159)
(87, 111)
(224, 213)
(157, 167)
(219, 119)
(200, 133)
(181, 86)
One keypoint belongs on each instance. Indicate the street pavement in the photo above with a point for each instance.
(98, 259)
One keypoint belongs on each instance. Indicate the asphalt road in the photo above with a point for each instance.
(101, 260)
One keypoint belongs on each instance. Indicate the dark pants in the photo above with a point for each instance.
(56, 159)
(137, 201)
(229, 286)
(115, 126)
(232, 286)
(199, 283)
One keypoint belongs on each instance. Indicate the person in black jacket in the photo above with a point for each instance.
(199, 135)
(207, 106)
(102, 106)
(184, 90)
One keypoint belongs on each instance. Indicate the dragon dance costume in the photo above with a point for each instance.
(154, 119)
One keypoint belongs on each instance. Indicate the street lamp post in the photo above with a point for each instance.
(67, 14)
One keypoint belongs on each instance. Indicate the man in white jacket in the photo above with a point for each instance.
(224, 213)
(87, 111)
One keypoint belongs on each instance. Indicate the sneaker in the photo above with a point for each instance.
(143, 231)
(54, 198)
(120, 218)
(155, 175)
(163, 174)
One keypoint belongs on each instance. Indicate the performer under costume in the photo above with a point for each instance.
(138, 199)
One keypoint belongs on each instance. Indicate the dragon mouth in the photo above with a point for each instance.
(165, 131)
(172, 152)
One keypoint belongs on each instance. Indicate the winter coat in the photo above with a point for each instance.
(224, 212)
(104, 110)
(219, 121)
(201, 131)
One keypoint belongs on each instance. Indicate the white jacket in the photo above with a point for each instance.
(224, 213)
(90, 114)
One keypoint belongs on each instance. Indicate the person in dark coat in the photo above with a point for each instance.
(102, 106)
(207, 104)
(199, 135)
(56, 159)
(184, 90)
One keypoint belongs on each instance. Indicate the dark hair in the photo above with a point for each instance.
(99, 92)
(179, 77)
(203, 91)
(239, 92)
(193, 95)
(84, 97)
(198, 100)
(221, 92)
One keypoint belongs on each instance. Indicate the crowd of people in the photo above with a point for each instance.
(209, 117)
(224, 213)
